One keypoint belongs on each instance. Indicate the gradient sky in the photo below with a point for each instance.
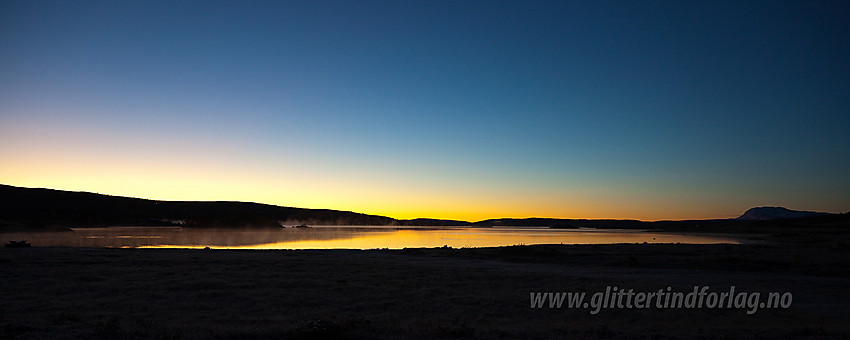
(444, 109)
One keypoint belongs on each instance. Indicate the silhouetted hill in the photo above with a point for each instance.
(775, 213)
(35, 208)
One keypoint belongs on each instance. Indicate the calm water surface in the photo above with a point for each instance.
(349, 237)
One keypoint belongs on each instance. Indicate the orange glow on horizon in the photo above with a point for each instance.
(395, 205)
(194, 173)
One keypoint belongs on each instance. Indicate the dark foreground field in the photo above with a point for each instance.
(414, 293)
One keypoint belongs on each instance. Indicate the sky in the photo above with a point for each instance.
(441, 109)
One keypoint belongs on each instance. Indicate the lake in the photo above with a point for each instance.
(348, 237)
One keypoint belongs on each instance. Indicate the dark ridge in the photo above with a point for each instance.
(42, 209)
(35, 208)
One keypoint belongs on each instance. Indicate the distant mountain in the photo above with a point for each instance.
(776, 213)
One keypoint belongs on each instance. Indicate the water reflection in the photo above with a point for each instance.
(345, 237)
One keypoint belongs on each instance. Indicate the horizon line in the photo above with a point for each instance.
(395, 218)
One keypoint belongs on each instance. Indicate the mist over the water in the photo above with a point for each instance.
(347, 237)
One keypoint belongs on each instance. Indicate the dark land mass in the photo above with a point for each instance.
(48, 209)
(29, 208)
(436, 293)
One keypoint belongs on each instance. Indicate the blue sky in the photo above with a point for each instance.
(447, 109)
